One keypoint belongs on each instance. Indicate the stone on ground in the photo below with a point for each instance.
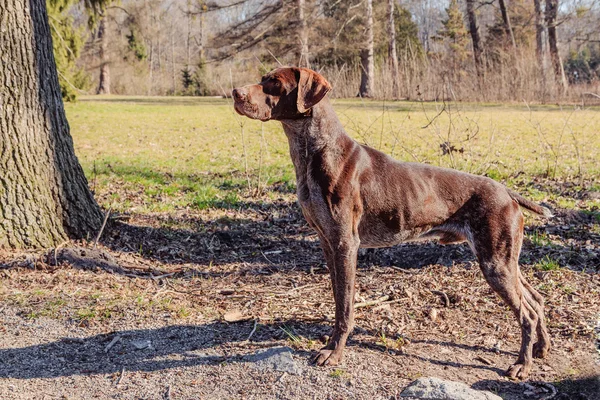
(438, 389)
(275, 358)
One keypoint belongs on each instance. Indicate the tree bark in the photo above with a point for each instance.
(302, 49)
(392, 54)
(539, 33)
(551, 15)
(104, 80)
(507, 24)
(475, 38)
(44, 196)
(367, 79)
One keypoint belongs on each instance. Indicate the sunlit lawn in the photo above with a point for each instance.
(160, 154)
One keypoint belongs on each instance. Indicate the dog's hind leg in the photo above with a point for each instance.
(497, 245)
(542, 345)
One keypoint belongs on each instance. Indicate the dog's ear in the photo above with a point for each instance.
(312, 87)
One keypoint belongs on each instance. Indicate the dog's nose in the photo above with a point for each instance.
(239, 94)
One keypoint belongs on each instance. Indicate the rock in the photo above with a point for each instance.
(141, 344)
(275, 358)
(438, 389)
(235, 316)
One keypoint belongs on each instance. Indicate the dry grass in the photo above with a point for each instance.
(160, 154)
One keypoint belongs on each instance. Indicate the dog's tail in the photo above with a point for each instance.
(530, 205)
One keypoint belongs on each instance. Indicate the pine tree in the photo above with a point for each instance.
(455, 33)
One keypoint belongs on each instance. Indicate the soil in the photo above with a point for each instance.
(176, 302)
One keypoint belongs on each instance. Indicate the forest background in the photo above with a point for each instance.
(467, 50)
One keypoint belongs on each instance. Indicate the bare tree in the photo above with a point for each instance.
(367, 79)
(303, 60)
(507, 25)
(44, 196)
(475, 38)
(551, 17)
(104, 80)
(392, 55)
(539, 33)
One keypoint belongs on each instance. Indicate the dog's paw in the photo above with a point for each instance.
(541, 349)
(328, 357)
(519, 371)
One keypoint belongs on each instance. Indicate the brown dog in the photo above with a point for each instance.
(355, 196)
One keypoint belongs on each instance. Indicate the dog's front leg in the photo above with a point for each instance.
(341, 259)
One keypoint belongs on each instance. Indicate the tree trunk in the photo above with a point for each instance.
(551, 15)
(302, 52)
(188, 41)
(507, 24)
(104, 81)
(367, 79)
(392, 55)
(539, 33)
(475, 38)
(44, 196)
(173, 73)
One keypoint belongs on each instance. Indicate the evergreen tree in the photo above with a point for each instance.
(187, 80)
(407, 33)
(136, 45)
(67, 42)
(455, 34)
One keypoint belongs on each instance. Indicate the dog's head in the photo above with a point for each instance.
(284, 93)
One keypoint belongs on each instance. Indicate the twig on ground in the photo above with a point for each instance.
(280, 377)
(120, 376)
(372, 302)
(56, 249)
(553, 391)
(267, 258)
(406, 271)
(303, 287)
(444, 296)
(112, 343)
(484, 360)
(253, 330)
(102, 227)
(162, 276)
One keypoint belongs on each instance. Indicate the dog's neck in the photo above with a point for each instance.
(318, 131)
(319, 135)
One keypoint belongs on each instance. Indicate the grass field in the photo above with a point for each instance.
(196, 152)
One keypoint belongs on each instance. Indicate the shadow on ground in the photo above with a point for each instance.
(180, 346)
(276, 235)
(587, 388)
(216, 343)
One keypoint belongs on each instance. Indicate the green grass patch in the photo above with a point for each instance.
(85, 314)
(539, 239)
(547, 263)
(337, 374)
(152, 154)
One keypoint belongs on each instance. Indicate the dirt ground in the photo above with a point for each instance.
(181, 298)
